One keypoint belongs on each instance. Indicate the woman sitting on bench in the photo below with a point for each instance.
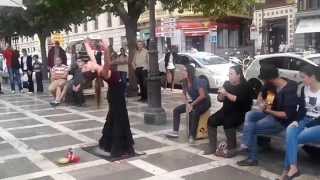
(196, 88)
(236, 95)
(307, 129)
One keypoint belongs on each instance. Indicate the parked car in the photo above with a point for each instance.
(212, 68)
(288, 64)
(314, 58)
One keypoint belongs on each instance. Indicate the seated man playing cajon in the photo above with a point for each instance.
(59, 74)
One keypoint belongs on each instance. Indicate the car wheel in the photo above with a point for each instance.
(207, 82)
(256, 86)
(312, 151)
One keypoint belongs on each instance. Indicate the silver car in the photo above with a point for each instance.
(212, 68)
(288, 64)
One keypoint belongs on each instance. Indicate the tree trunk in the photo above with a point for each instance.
(131, 32)
(44, 58)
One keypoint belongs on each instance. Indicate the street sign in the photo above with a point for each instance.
(213, 37)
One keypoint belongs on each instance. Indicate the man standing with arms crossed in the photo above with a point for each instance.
(141, 65)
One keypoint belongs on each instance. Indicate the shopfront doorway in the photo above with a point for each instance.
(277, 33)
(196, 42)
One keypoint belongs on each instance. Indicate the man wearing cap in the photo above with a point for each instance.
(276, 108)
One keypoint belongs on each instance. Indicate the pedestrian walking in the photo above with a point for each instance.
(27, 70)
(141, 66)
(37, 68)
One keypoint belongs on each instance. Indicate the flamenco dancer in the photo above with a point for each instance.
(116, 135)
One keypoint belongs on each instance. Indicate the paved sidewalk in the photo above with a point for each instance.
(33, 135)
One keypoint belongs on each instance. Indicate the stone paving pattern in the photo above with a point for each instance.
(33, 135)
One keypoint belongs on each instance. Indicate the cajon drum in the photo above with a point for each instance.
(202, 130)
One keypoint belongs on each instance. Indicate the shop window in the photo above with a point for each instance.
(233, 38)
(85, 26)
(96, 23)
(109, 20)
(111, 41)
(220, 38)
(75, 28)
(124, 42)
(121, 22)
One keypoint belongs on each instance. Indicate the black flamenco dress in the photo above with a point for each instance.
(116, 134)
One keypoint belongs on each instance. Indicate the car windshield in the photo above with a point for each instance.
(210, 60)
(315, 60)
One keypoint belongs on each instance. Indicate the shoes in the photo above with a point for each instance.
(29, 93)
(54, 103)
(191, 140)
(247, 162)
(142, 100)
(13, 92)
(173, 134)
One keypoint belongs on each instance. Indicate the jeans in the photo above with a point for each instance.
(194, 116)
(14, 76)
(258, 123)
(299, 135)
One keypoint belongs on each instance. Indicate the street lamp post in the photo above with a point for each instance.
(154, 113)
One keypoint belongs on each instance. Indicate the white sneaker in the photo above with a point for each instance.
(173, 134)
(29, 93)
(13, 92)
(191, 140)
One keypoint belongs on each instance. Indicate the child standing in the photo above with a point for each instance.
(37, 68)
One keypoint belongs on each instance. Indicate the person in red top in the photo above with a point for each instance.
(13, 66)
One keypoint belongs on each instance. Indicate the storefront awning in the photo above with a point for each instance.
(196, 33)
(308, 26)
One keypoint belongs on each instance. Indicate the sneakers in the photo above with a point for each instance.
(54, 103)
(191, 140)
(247, 162)
(13, 92)
(173, 134)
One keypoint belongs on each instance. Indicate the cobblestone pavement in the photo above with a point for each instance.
(34, 135)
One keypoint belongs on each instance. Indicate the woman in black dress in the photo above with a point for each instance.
(236, 96)
(116, 134)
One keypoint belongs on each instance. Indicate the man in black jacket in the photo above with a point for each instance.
(278, 102)
(27, 69)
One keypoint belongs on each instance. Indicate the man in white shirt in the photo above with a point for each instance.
(27, 69)
(141, 65)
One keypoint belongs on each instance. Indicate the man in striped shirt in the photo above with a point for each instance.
(59, 74)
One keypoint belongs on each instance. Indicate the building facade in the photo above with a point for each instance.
(185, 30)
(274, 23)
(308, 25)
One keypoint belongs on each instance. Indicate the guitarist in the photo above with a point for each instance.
(277, 104)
